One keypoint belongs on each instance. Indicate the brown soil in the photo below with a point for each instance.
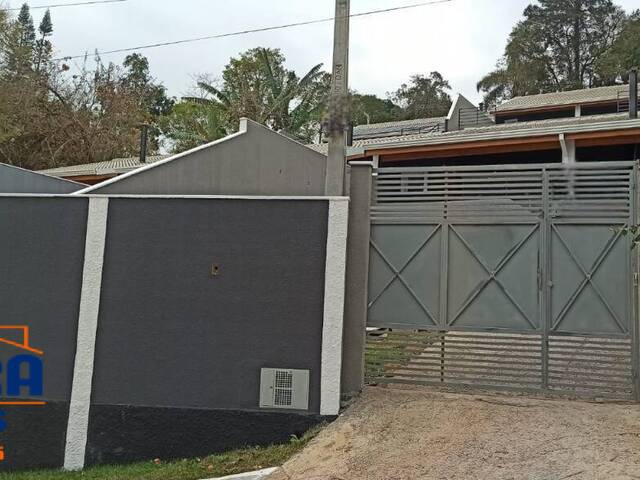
(417, 433)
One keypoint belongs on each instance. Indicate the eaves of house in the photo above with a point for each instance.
(524, 136)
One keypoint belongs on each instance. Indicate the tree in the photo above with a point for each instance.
(43, 46)
(519, 72)
(367, 109)
(50, 117)
(424, 96)
(19, 43)
(556, 47)
(25, 22)
(152, 98)
(257, 85)
(624, 53)
(192, 123)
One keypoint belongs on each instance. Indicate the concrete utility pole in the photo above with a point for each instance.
(144, 132)
(338, 104)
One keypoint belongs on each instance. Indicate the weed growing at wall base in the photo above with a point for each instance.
(230, 463)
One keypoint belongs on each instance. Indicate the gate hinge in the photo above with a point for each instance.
(635, 279)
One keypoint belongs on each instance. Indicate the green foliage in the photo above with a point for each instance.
(367, 109)
(192, 123)
(424, 97)
(152, 99)
(25, 25)
(46, 25)
(257, 85)
(633, 231)
(50, 118)
(18, 43)
(230, 463)
(624, 54)
(557, 46)
(137, 80)
(43, 46)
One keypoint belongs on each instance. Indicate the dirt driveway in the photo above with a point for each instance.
(416, 433)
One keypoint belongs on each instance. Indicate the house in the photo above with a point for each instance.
(574, 103)
(18, 180)
(576, 126)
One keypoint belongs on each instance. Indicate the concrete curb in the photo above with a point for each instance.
(257, 475)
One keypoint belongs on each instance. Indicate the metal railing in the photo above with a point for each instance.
(399, 131)
(474, 117)
(623, 102)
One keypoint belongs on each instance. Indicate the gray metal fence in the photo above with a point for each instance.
(505, 276)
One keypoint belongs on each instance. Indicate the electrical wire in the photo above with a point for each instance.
(257, 30)
(58, 5)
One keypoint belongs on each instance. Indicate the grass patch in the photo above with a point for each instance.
(230, 463)
(387, 352)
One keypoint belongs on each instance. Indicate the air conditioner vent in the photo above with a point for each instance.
(284, 388)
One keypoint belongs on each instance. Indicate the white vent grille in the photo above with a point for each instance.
(284, 388)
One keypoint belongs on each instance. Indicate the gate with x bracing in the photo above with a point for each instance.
(515, 277)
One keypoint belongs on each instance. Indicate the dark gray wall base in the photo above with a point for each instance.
(35, 436)
(119, 434)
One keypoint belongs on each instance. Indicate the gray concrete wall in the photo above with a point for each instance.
(19, 180)
(41, 263)
(147, 352)
(357, 274)
(170, 334)
(256, 161)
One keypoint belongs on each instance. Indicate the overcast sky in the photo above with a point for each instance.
(462, 39)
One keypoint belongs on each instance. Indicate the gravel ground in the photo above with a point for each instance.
(412, 433)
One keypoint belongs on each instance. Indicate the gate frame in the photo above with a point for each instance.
(545, 280)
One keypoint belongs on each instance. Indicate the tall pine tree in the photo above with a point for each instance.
(43, 45)
(20, 44)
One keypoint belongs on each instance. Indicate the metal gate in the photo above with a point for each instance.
(512, 277)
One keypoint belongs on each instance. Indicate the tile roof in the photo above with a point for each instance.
(572, 97)
(110, 167)
(470, 134)
(401, 127)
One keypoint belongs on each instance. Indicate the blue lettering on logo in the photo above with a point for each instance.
(32, 381)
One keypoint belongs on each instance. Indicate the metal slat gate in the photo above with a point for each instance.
(513, 277)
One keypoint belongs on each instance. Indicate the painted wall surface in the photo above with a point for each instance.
(19, 180)
(255, 162)
(177, 346)
(156, 316)
(172, 335)
(41, 259)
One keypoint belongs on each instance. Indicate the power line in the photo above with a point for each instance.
(58, 5)
(257, 30)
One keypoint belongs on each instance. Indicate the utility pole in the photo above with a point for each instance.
(144, 129)
(339, 102)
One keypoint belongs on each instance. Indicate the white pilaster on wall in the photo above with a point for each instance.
(78, 422)
(334, 285)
